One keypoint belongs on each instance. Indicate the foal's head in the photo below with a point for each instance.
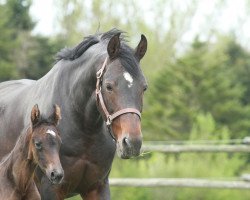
(45, 143)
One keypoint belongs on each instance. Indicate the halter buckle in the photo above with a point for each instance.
(109, 120)
(99, 74)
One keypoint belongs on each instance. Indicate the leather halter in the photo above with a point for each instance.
(100, 102)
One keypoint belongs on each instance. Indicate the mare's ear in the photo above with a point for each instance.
(114, 46)
(35, 114)
(56, 115)
(141, 48)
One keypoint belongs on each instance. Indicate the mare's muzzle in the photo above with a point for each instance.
(128, 147)
(128, 133)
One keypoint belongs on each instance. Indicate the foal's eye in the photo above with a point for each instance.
(109, 87)
(145, 88)
(38, 145)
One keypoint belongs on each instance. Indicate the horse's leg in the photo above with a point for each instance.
(99, 192)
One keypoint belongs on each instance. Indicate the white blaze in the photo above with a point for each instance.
(51, 132)
(128, 78)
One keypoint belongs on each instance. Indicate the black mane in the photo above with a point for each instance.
(126, 54)
(76, 52)
(109, 34)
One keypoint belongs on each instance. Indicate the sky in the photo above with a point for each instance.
(235, 14)
(43, 14)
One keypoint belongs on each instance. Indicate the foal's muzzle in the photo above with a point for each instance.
(55, 176)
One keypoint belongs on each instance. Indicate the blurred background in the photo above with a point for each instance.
(197, 66)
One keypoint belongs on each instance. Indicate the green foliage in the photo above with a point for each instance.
(40, 57)
(23, 55)
(78, 197)
(205, 79)
(7, 44)
(18, 14)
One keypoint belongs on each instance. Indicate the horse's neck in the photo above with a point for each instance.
(72, 86)
(19, 167)
(84, 99)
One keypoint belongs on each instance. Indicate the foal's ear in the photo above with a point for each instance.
(56, 115)
(35, 114)
(114, 46)
(141, 48)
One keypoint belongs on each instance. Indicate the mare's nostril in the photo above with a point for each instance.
(126, 142)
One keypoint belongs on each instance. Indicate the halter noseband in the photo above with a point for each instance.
(99, 98)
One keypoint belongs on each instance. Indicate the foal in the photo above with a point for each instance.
(38, 146)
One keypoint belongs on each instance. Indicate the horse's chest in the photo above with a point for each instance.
(84, 171)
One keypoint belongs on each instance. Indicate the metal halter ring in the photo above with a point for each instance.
(109, 120)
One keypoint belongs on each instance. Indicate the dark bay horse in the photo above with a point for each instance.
(99, 87)
(37, 146)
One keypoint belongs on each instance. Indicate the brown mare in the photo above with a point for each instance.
(38, 146)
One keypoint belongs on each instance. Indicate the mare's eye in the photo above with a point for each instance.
(109, 87)
(145, 88)
(38, 145)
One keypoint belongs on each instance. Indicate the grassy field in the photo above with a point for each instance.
(75, 198)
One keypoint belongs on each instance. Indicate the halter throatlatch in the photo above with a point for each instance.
(100, 102)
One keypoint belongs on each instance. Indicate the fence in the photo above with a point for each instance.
(179, 182)
(202, 146)
(197, 148)
(228, 146)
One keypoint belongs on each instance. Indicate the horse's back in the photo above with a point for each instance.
(13, 87)
(12, 95)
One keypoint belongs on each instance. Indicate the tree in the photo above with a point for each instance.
(23, 55)
(40, 56)
(198, 82)
(18, 15)
(14, 24)
(7, 44)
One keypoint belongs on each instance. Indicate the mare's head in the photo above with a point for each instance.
(45, 143)
(122, 85)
